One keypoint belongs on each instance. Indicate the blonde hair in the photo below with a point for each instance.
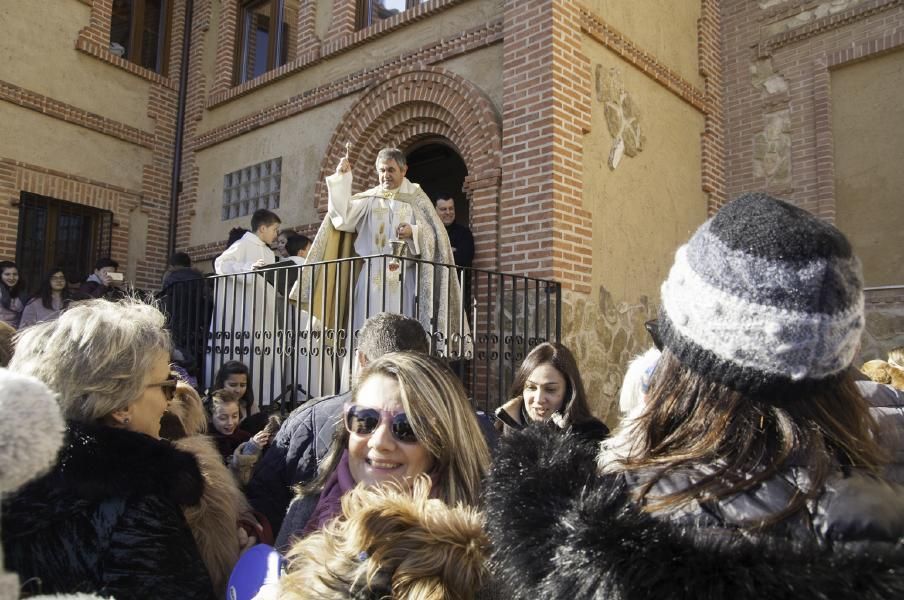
(222, 397)
(896, 357)
(443, 421)
(97, 356)
(185, 416)
(882, 372)
(391, 543)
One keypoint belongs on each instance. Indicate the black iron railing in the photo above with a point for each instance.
(295, 326)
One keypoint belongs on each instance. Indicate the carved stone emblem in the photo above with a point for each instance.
(622, 116)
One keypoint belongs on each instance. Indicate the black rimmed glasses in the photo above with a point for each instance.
(364, 421)
(168, 386)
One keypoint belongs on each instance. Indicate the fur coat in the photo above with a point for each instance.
(214, 520)
(107, 519)
(561, 530)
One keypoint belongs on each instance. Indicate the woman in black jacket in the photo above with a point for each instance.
(548, 389)
(108, 518)
(753, 471)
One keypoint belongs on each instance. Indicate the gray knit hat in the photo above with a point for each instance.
(763, 295)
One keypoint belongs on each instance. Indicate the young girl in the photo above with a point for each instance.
(12, 295)
(53, 296)
(234, 376)
(224, 422)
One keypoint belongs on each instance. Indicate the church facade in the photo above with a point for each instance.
(584, 141)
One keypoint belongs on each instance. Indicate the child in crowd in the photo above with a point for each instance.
(235, 377)
(224, 422)
(53, 297)
(12, 293)
(240, 450)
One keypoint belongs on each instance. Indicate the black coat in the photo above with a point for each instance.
(292, 458)
(561, 530)
(108, 520)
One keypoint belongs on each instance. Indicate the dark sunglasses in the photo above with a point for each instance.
(168, 386)
(364, 421)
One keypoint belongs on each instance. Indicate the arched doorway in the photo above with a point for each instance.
(438, 168)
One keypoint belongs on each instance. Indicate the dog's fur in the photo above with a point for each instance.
(391, 543)
(214, 520)
(560, 530)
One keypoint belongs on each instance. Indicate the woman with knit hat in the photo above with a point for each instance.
(753, 470)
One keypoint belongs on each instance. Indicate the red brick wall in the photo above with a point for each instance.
(803, 57)
(153, 197)
(544, 231)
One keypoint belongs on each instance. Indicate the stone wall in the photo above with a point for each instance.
(884, 323)
(605, 335)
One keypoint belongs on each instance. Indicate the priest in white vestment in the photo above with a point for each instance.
(394, 210)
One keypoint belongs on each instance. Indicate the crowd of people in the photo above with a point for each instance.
(752, 458)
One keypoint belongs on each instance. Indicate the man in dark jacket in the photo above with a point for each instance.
(187, 303)
(305, 436)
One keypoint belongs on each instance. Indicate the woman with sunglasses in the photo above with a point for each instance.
(408, 415)
(108, 518)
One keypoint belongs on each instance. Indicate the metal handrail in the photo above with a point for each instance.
(296, 351)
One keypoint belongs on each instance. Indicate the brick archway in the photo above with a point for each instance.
(428, 102)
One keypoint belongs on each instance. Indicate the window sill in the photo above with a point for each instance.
(334, 47)
(92, 48)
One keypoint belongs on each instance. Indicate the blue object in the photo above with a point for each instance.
(260, 566)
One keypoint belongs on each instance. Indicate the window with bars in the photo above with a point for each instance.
(251, 188)
(56, 233)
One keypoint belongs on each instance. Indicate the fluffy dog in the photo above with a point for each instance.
(391, 543)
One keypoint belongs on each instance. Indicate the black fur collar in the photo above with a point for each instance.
(559, 530)
(98, 461)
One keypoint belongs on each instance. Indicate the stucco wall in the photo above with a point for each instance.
(301, 141)
(868, 135)
(483, 68)
(666, 29)
(642, 211)
(651, 203)
(47, 62)
(374, 53)
(33, 138)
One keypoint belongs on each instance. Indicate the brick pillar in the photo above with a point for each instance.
(343, 19)
(98, 29)
(227, 30)
(307, 33)
(544, 229)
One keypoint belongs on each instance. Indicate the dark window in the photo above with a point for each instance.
(139, 32)
(58, 233)
(267, 37)
(371, 11)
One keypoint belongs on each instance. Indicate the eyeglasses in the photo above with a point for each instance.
(364, 421)
(168, 387)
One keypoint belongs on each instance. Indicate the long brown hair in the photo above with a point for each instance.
(574, 409)
(744, 440)
(443, 420)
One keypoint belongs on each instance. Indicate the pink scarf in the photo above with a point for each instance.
(330, 503)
